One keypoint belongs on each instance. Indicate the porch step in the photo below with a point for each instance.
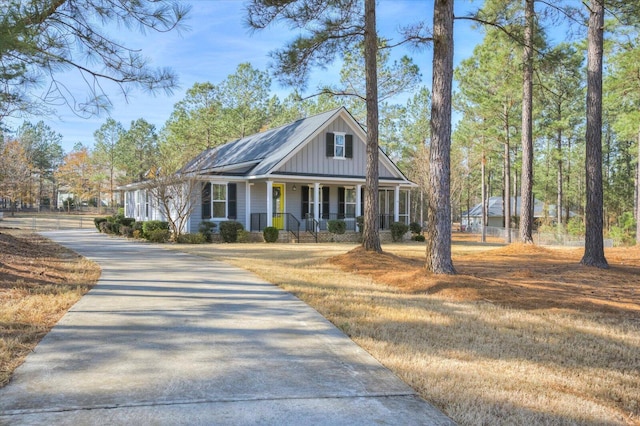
(305, 238)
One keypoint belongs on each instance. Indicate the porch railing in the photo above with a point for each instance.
(283, 221)
(312, 226)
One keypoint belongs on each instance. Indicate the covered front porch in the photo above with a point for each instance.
(308, 207)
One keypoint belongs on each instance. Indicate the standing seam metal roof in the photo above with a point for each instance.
(266, 149)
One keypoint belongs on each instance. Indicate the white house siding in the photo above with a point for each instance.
(312, 159)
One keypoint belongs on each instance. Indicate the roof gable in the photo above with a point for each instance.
(267, 152)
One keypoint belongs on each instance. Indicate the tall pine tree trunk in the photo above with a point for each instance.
(638, 194)
(593, 243)
(526, 195)
(507, 179)
(371, 233)
(559, 179)
(439, 214)
(483, 219)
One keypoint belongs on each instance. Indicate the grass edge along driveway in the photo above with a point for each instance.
(479, 361)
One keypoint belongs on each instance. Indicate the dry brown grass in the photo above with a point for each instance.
(39, 282)
(522, 335)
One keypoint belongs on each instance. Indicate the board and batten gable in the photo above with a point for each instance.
(312, 158)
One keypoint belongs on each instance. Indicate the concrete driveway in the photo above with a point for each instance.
(170, 338)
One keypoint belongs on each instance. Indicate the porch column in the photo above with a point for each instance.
(247, 204)
(409, 207)
(316, 201)
(358, 203)
(396, 204)
(269, 203)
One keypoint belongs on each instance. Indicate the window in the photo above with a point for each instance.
(147, 212)
(346, 203)
(219, 200)
(403, 211)
(350, 202)
(214, 201)
(338, 146)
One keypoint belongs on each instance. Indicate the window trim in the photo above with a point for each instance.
(213, 201)
(343, 146)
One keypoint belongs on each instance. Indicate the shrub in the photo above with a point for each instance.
(360, 222)
(398, 229)
(243, 236)
(575, 226)
(271, 234)
(138, 231)
(97, 221)
(337, 226)
(206, 229)
(126, 231)
(126, 221)
(116, 218)
(192, 238)
(158, 235)
(229, 231)
(105, 227)
(415, 227)
(418, 237)
(153, 225)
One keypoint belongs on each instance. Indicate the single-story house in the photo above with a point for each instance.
(495, 212)
(295, 177)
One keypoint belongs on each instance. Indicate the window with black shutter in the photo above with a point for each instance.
(206, 200)
(232, 204)
(348, 146)
(329, 139)
(304, 191)
(341, 192)
(325, 202)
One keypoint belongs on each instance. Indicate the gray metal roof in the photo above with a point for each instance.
(495, 208)
(261, 151)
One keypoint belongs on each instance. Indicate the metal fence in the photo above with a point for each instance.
(46, 222)
(539, 238)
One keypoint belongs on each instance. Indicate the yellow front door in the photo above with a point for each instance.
(278, 205)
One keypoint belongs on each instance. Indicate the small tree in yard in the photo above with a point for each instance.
(174, 194)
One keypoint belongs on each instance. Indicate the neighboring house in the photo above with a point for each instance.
(495, 212)
(295, 177)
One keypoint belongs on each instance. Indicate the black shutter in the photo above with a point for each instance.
(341, 194)
(232, 201)
(305, 201)
(330, 149)
(206, 200)
(362, 200)
(348, 146)
(325, 202)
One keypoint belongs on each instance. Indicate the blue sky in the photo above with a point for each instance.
(216, 41)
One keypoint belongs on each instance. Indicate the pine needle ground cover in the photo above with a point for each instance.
(522, 335)
(39, 282)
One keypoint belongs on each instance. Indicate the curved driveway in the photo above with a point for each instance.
(170, 338)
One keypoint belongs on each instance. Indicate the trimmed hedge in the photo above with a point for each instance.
(415, 227)
(229, 231)
(97, 221)
(206, 229)
(192, 239)
(271, 234)
(398, 229)
(337, 226)
(418, 238)
(152, 225)
(159, 235)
